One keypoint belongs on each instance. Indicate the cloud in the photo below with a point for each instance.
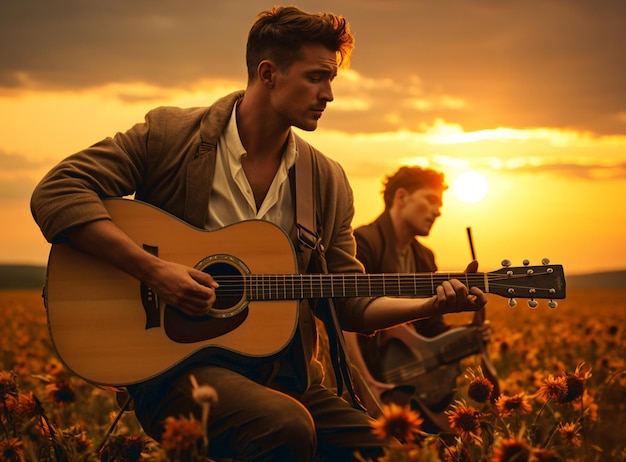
(537, 63)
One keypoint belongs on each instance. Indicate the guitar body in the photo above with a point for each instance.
(111, 331)
(429, 366)
(421, 371)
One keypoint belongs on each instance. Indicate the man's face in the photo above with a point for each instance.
(301, 93)
(420, 208)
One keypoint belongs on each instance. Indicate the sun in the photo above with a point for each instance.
(470, 186)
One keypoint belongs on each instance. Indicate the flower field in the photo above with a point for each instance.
(562, 376)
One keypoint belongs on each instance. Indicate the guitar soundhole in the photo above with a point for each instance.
(228, 271)
(231, 290)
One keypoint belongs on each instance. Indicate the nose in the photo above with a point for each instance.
(326, 92)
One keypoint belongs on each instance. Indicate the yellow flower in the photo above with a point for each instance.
(516, 404)
(480, 389)
(554, 388)
(397, 422)
(12, 450)
(570, 432)
(465, 420)
(60, 392)
(8, 383)
(576, 383)
(511, 449)
(23, 407)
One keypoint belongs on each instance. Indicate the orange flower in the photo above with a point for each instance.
(397, 422)
(554, 388)
(516, 404)
(570, 432)
(12, 450)
(576, 383)
(79, 437)
(60, 392)
(465, 420)
(123, 448)
(456, 454)
(24, 407)
(181, 433)
(8, 383)
(511, 449)
(480, 389)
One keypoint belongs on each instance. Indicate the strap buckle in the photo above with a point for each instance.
(308, 238)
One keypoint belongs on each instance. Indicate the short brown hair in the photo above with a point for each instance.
(279, 32)
(411, 178)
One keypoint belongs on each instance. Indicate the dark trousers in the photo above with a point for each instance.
(254, 422)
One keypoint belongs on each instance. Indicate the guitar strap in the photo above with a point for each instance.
(309, 236)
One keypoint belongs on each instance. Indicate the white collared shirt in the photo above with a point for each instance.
(231, 198)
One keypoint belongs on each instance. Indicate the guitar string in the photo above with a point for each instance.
(359, 283)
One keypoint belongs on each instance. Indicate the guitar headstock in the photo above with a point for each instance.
(544, 281)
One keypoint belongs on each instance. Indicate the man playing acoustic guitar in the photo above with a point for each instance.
(396, 364)
(215, 167)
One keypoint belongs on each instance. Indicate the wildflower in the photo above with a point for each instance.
(456, 454)
(570, 432)
(123, 448)
(554, 389)
(516, 404)
(203, 393)
(465, 420)
(480, 389)
(181, 433)
(576, 383)
(79, 438)
(511, 449)
(23, 407)
(60, 392)
(12, 450)
(205, 396)
(397, 422)
(8, 383)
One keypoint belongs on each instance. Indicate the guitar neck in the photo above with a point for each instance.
(543, 282)
(301, 286)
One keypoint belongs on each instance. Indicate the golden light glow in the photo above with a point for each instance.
(470, 186)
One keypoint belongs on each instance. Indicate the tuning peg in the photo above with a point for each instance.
(512, 302)
(506, 263)
(552, 304)
(526, 262)
(545, 261)
(532, 303)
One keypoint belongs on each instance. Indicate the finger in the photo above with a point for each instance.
(481, 297)
(203, 278)
(472, 267)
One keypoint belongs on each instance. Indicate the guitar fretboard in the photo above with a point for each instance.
(301, 286)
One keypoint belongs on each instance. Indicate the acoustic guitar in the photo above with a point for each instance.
(113, 331)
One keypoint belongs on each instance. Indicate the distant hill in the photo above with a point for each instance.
(22, 276)
(603, 280)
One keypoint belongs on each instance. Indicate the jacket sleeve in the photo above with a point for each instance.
(70, 194)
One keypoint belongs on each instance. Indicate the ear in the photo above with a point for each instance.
(266, 71)
(400, 196)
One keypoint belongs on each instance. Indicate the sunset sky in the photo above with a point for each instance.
(531, 94)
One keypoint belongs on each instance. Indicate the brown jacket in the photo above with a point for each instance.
(169, 161)
(376, 250)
